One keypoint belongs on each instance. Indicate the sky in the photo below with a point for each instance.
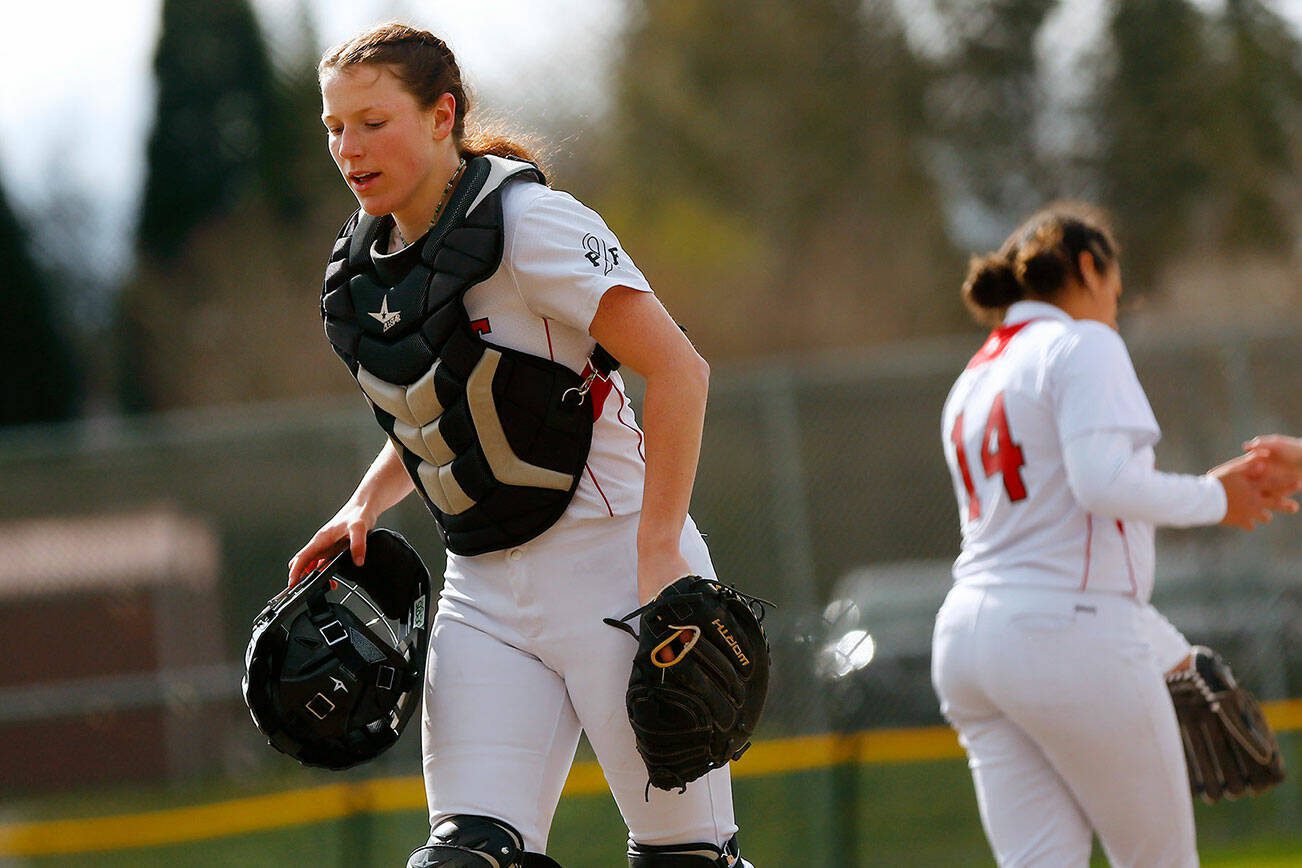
(75, 118)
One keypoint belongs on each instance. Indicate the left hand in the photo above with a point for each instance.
(657, 569)
(1248, 500)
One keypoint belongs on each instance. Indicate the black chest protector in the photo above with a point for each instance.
(494, 439)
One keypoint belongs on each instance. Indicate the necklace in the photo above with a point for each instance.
(438, 209)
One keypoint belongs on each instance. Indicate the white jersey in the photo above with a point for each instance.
(1040, 381)
(558, 260)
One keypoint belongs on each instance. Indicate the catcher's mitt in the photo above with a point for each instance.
(699, 679)
(1228, 746)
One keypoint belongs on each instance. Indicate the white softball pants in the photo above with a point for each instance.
(520, 661)
(1060, 703)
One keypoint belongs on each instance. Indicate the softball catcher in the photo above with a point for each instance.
(481, 313)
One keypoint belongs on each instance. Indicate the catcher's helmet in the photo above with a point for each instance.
(334, 669)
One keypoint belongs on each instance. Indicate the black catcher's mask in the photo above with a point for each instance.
(334, 669)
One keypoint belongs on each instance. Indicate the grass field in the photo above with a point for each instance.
(907, 814)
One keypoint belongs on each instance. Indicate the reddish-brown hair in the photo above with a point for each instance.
(1039, 259)
(427, 69)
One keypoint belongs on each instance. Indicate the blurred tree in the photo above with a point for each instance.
(215, 104)
(40, 381)
(771, 157)
(241, 203)
(1259, 141)
(987, 101)
(1155, 157)
(295, 160)
(1199, 121)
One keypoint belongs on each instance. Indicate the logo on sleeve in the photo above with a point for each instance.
(600, 254)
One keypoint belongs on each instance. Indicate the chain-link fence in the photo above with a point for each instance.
(148, 547)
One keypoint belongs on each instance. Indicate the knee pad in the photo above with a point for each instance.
(538, 860)
(684, 855)
(469, 841)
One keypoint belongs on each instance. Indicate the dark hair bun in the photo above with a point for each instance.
(1039, 260)
(1044, 271)
(991, 284)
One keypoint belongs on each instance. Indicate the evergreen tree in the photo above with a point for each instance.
(295, 161)
(240, 204)
(1153, 111)
(215, 102)
(40, 382)
(1257, 139)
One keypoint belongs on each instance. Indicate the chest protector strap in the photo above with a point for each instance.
(488, 434)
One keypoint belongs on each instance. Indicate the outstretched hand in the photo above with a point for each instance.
(1256, 487)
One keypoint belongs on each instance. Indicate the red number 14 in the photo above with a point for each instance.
(999, 454)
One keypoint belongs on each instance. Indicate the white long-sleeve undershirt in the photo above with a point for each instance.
(1111, 478)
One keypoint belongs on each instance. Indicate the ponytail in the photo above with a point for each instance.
(991, 286)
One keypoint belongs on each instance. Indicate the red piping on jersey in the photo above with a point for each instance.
(551, 355)
(599, 391)
(998, 341)
(638, 431)
(1130, 569)
(593, 477)
(1089, 540)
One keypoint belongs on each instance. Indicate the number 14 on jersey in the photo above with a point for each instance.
(999, 454)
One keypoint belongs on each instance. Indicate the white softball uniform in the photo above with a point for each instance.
(1047, 657)
(519, 659)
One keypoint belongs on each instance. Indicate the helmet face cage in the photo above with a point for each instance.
(332, 675)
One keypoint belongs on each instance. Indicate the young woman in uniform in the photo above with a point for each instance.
(473, 302)
(1047, 657)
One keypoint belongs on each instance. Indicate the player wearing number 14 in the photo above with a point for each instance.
(1047, 657)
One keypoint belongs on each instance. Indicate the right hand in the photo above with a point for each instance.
(1280, 446)
(1252, 492)
(348, 529)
